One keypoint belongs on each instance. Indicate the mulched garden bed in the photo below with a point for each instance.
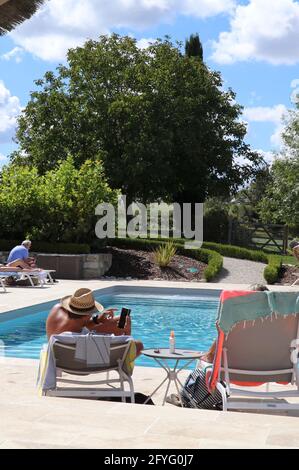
(137, 264)
(287, 275)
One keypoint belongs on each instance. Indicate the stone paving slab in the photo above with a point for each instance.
(29, 421)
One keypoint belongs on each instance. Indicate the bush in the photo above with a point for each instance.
(232, 251)
(59, 205)
(216, 225)
(53, 248)
(211, 258)
(164, 254)
(215, 264)
(273, 270)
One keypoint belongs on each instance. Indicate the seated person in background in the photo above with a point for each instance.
(294, 246)
(209, 356)
(19, 256)
(74, 312)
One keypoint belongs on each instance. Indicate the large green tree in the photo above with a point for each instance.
(162, 121)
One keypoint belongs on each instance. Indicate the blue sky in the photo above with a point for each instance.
(254, 43)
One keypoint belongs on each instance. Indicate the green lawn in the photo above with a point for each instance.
(288, 259)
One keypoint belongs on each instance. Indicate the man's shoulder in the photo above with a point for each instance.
(19, 248)
(56, 307)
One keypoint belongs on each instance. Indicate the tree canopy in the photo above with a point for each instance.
(163, 124)
(193, 47)
(59, 205)
(280, 203)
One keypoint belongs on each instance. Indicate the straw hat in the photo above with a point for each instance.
(81, 303)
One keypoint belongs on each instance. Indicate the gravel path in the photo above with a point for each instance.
(239, 271)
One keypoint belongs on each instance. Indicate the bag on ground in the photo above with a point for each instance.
(196, 394)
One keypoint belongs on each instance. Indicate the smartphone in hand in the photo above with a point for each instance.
(125, 312)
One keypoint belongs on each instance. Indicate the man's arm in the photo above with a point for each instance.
(108, 324)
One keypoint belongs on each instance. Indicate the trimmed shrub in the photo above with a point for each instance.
(232, 251)
(273, 270)
(44, 247)
(215, 264)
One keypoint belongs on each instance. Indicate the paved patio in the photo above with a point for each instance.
(28, 421)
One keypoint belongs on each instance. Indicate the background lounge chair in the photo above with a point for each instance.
(29, 275)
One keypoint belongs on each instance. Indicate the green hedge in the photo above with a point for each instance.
(44, 247)
(273, 270)
(213, 260)
(232, 251)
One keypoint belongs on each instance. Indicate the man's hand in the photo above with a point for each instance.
(107, 315)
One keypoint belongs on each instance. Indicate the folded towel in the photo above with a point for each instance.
(94, 350)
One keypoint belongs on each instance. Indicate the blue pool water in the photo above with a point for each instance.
(192, 319)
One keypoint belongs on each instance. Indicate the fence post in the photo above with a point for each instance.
(286, 239)
(230, 230)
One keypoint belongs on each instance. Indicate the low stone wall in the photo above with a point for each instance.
(96, 265)
(90, 266)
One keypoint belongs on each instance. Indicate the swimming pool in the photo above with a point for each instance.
(153, 317)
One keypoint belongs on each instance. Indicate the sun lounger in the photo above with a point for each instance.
(5, 275)
(258, 343)
(30, 275)
(121, 362)
(2, 279)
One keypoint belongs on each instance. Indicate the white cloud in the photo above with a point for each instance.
(2, 158)
(272, 115)
(263, 30)
(61, 24)
(145, 42)
(14, 54)
(10, 108)
(269, 157)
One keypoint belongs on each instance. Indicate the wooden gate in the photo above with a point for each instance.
(273, 238)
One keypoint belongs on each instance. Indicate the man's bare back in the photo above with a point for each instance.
(60, 320)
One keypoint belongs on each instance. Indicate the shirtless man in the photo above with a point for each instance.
(80, 310)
